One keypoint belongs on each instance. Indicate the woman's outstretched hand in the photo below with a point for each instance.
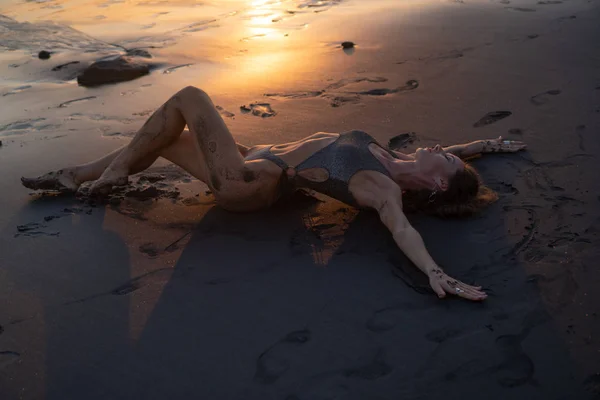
(443, 284)
(502, 146)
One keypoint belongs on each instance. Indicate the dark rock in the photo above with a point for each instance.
(138, 53)
(0, 143)
(120, 69)
(347, 45)
(44, 55)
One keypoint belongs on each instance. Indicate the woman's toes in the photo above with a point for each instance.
(100, 189)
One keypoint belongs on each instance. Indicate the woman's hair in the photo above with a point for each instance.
(466, 195)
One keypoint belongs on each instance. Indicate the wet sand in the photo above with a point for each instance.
(161, 294)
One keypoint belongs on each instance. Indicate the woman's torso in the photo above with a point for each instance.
(324, 162)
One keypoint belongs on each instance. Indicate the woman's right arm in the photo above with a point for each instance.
(377, 191)
(411, 243)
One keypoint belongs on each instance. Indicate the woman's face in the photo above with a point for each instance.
(434, 161)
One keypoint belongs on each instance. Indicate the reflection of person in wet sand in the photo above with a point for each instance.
(350, 167)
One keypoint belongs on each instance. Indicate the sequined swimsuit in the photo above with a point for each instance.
(342, 158)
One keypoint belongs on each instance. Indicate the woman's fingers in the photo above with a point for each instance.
(445, 284)
(467, 292)
(463, 290)
(472, 291)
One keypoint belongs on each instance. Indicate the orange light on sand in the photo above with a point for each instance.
(260, 3)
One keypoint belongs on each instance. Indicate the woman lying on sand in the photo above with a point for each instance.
(351, 167)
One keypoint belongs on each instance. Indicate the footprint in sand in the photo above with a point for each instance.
(375, 369)
(410, 85)
(175, 68)
(338, 101)
(296, 95)
(275, 361)
(344, 82)
(521, 9)
(67, 103)
(566, 18)
(443, 334)
(248, 38)
(388, 318)
(16, 90)
(491, 117)
(449, 55)
(337, 384)
(224, 112)
(33, 229)
(22, 125)
(544, 97)
(263, 110)
(8, 357)
(516, 368)
(200, 26)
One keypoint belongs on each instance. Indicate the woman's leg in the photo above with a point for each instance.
(223, 164)
(160, 136)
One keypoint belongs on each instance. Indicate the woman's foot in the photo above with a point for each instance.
(63, 180)
(103, 186)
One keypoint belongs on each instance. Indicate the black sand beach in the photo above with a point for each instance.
(160, 294)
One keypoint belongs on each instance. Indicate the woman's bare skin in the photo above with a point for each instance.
(209, 152)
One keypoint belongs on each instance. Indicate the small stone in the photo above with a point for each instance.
(0, 143)
(347, 45)
(44, 55)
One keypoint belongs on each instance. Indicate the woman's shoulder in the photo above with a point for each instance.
(372, 188)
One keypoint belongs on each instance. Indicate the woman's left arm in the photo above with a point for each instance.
(498, 145)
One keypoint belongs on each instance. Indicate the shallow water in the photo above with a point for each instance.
(242, 52)
(257, 39)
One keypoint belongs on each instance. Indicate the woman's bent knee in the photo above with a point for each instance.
(190, 93)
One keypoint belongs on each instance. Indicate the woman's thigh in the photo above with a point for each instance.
(184, 153)
(257, 189)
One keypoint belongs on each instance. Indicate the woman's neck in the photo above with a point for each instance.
(406, 174)
(402, 169)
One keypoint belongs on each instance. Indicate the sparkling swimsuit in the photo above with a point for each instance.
(342, 158)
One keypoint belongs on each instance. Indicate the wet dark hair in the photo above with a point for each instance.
(466, 195)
